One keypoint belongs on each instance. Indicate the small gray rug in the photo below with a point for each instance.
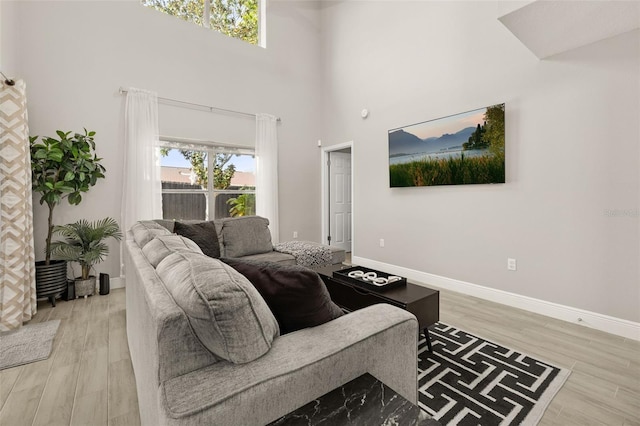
(27, 344)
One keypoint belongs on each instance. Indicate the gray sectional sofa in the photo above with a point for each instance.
(206, 350)
(249, 237)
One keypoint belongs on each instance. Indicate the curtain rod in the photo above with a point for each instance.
(210, 108)
(201, 142)
(7, 80)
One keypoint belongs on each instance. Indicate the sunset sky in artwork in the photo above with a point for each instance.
(451, 124)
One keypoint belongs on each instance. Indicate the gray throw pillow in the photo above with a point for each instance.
(166, 223)
(146, 230)
(164, 245)
(246, 235)
(296, 295)
(225, 311)
(203, 234)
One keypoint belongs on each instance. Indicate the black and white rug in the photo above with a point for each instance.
(467, 380)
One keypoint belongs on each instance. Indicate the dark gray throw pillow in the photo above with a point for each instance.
(203, 234)
(296, 295)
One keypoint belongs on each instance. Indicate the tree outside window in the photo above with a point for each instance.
(235, 18)
(186, 189)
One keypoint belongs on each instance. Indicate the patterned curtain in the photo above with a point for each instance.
(17, 259)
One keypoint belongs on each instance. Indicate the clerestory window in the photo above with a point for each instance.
(236, 18)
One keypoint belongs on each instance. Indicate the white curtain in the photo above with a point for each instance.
(142, 188)
(17, 259)
(267, 172)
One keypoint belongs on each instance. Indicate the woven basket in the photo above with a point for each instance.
(85, 287)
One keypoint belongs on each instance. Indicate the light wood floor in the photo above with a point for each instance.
(88, 380)
(604, 385)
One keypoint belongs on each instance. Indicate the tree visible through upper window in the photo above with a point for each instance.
(235, 18)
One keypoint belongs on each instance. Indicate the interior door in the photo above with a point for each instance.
(340, 200)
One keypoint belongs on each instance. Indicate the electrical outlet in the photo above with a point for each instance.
(511, 264)
(381, 242)
(295, 234)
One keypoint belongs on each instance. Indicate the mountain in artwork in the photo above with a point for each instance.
(402, 142)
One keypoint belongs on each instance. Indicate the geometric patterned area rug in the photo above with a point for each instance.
(27, 344)
(467, 380)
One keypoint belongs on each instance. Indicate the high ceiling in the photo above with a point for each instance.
(551, 27)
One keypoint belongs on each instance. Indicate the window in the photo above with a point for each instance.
(206, 182)
(235, 18)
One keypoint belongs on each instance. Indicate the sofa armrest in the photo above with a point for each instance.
(300, 367)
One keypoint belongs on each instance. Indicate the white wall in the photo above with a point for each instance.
(572, 150)
(75, 55)
(572, 127)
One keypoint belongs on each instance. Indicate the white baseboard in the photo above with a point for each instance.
(117, 282)
(613, 325)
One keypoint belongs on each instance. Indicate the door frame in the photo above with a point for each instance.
(325, 190)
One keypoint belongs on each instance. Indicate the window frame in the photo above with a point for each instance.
(261, 11)
(211, 148)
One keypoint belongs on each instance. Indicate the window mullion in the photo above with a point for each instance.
(211, 197)
(262, 27)
(206, 18)
(184, 191)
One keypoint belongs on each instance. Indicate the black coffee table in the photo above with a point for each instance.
(421, 301)
(363, 401)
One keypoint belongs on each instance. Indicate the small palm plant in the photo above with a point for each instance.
(84, 242)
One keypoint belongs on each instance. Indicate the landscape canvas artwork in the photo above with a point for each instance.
(466, 148)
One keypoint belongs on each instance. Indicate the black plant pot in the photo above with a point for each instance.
(51, 279)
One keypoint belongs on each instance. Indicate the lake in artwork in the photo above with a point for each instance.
(466, 148)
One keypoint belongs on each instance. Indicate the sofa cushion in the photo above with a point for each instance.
(226, 312)
(246, 235)
(272, 256)
(164, 245)
(203, 234)
(146, 230)
(296, 295)
(170, 225)
(167, 223)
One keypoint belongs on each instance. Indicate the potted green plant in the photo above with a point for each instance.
(84, 242)
(242, 205)
(61, 168)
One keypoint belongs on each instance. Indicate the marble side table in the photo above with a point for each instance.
(364, 401)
